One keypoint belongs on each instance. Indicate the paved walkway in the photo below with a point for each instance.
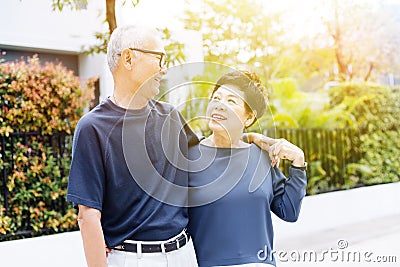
(366, 221)
(59, 250)
(357, 245)
(377, 237)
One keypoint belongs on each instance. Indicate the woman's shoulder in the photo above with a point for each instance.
(257, 152)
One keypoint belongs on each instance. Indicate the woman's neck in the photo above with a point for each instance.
(225, 140)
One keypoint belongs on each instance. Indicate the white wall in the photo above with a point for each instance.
(27, 23)
(96, 66)
(34, 26)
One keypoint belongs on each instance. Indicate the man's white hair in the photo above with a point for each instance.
(127, 36)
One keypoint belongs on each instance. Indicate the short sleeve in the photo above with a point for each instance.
(86, 184)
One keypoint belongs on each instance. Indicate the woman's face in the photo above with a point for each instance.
(226, 110)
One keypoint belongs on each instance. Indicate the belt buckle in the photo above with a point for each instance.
(120, 247)
(186, 236)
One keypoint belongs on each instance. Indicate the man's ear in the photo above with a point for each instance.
(127, 58)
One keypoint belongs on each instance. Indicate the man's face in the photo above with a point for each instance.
(147, 72)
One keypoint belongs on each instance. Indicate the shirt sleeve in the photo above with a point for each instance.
(288, 193)
(86, 181)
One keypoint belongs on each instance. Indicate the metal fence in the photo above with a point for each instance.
(59, 147)
(328, 151)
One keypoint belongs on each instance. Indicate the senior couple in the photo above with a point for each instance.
(150, 193)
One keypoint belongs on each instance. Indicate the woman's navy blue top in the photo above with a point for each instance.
(232, 193)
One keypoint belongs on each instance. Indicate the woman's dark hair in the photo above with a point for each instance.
(250, 84)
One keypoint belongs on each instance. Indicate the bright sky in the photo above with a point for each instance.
(165, 13)
(162, 13)
(156, 13)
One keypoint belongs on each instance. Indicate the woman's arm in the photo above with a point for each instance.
(288, 193)
(92, 236)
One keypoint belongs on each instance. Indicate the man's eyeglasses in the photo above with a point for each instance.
(161, 54)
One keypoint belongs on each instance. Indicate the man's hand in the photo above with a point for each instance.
(108, 250)
(278, 149)
(283, 149)
(261, 141)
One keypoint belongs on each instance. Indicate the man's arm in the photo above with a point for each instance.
(92, 236)
(262, 141)
(277, 149)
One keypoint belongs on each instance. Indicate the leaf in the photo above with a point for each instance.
(353, 168)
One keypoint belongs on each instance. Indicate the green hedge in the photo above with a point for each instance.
(376, 109)
(46, 99)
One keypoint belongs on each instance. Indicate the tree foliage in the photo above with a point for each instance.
(289, 107)
(376, 109)
(351, 41)
(238, 33)
(363, 37)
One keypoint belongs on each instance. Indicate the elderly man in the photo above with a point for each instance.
(119, 155)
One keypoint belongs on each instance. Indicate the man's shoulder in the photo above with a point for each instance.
(163, 107)
(97, 115)
(88, 119)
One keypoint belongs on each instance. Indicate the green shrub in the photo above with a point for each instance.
(376, 109)
(47, 100)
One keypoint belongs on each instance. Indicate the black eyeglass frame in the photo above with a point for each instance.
(162, 54)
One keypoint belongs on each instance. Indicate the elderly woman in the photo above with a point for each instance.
(234, 185)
